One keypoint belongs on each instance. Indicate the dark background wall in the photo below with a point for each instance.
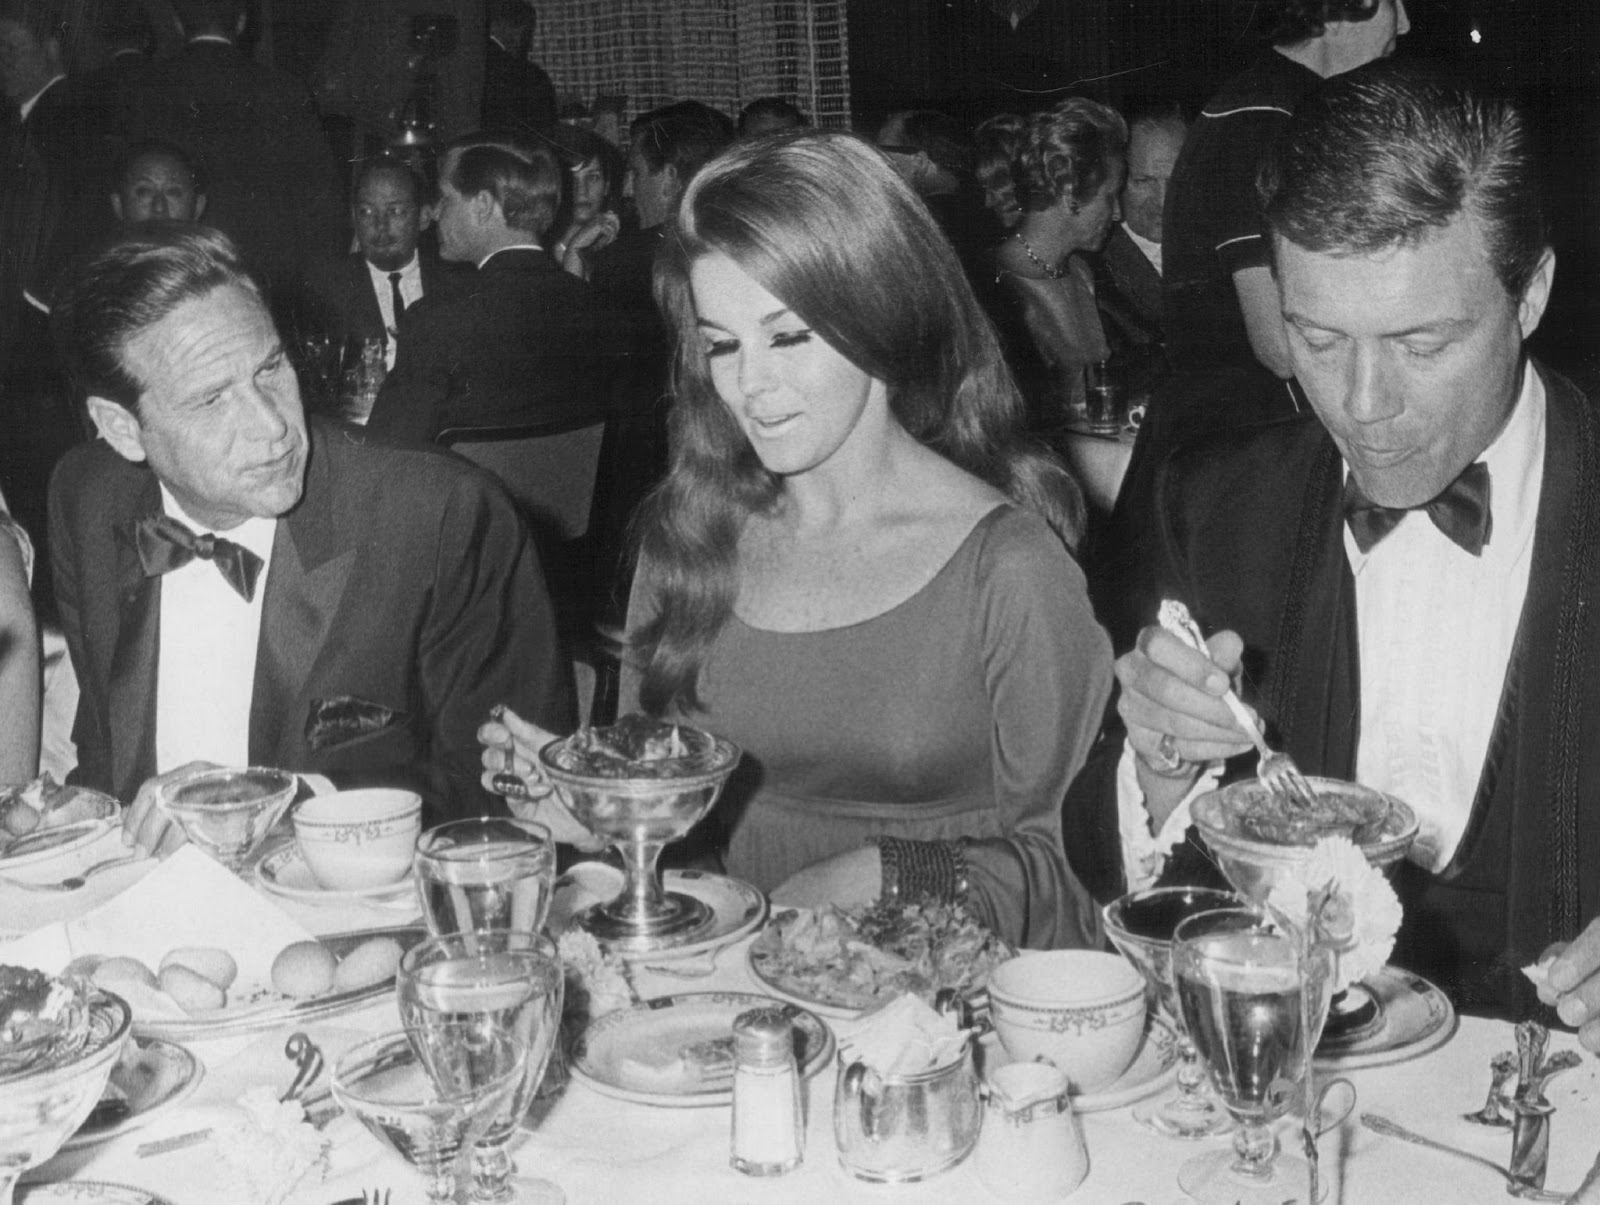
(961, 56)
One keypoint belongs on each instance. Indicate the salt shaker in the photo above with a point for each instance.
(768, 1125)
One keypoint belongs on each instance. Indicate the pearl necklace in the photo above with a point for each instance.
(1052, 273)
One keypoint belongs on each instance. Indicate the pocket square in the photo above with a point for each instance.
(344, 718)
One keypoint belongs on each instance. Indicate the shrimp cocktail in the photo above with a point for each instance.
(639, 784)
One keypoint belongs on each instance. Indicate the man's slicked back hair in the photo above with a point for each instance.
(1385, 155)
(127, 285)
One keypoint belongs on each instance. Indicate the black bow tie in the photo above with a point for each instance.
(166, 544)
(1461, 512)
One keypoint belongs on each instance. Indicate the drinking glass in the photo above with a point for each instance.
(227, 812)
(426, 1096)
(1141, 925)
(489, 872)
(1102, 396)
(1246, 994)
(500, 982)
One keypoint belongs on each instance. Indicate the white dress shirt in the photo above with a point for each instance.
(206, 659)
(1437, 626)
(410, 293)
(1152, 250)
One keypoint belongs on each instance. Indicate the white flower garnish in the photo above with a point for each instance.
(1346, 903)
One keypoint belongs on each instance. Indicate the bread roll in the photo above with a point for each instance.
(192, 990)
(303, 970)
(123, 970)
(208, 961)
(373, 961)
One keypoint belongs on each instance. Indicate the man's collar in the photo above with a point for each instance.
(510, 247)
(414, 264)
(210, 37)
(1150, 248)
(254, 533)
(26, 106)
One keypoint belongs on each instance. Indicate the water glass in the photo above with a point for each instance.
(1102, 396)
(426, 1097)
(486, 873)
(1254, 1005)
(495, 982)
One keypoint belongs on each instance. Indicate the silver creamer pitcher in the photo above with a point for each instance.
(895, 1129)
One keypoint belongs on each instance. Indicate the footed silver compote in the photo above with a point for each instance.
(639, 785)
(1259, 838)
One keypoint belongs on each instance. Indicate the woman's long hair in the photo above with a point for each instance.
(821, 221)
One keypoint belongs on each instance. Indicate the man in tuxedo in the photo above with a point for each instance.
(158, 180)
(272, 182)
(1400, 580)
(364, 294)
(238, 586)
(521, 341)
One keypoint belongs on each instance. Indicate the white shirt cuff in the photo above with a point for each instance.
(1144, 855)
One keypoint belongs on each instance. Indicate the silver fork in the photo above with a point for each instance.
(1276, 770)
(378, 1196)
(1379, 1124)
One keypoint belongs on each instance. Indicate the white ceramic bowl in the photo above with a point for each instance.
(1084, 1010)
(353, 840)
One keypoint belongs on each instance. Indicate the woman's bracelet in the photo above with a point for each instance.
(917, 870)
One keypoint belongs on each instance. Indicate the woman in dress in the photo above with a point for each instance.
(1068, 175)
(856, 568)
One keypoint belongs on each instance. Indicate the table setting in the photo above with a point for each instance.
(316, 1002)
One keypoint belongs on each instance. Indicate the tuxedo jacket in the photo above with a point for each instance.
(517, 94)
(519, 342)
(1250, 535)
(403, 600)
(1128, 291)
(339, 300)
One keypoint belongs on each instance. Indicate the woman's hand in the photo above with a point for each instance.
(511, 746)
(146, 825)
(849, 880)
(597, 232)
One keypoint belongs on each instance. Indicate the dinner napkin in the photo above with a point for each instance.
(906, 1037)
(188, 900)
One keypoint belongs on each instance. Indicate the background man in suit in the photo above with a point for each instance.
(237, 586)
(158, 179)
(1403, 573)
(518, 97)
(364, 294)
(522, 341)
(272, 183)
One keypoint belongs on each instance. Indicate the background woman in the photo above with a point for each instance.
(1067, 174)
(594, 195)
(855, 568)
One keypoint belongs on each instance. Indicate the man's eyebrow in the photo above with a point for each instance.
(1439, 326)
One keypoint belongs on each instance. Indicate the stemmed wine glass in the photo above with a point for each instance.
(1141, 925)
(489, 872)
(426, 1095)
(1246, 992)
(498, 982)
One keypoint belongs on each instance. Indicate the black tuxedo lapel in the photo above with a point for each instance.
(131, 686)
(305, 588)
(1313, 691)
(364, 296)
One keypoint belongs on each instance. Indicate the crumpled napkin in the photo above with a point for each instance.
(906, 1037)
(189, 900)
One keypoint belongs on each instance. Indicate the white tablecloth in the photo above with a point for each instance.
(601, 1149)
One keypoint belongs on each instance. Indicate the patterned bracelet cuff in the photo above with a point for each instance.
(922, 870)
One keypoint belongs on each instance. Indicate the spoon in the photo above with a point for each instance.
(73, 882)
(1382, 1125)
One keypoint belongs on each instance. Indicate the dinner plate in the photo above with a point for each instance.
(274, 1010)
(759, 960)
(284, 873)
(52, 842)
(1417, 1018)
(163, 1076)
(100, 1192)
(635, 1053)
(1154, 1067)
(736, 907)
